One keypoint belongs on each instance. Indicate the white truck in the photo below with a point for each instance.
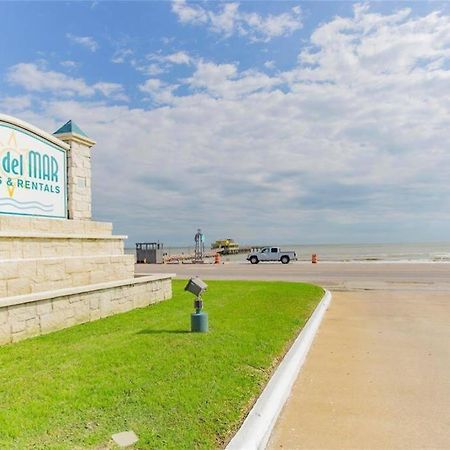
(272, 254)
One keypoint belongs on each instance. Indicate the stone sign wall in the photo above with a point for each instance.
(56, 272)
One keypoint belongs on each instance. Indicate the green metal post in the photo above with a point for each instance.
(199, 319)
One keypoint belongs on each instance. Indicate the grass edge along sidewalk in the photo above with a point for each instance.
(144, 371)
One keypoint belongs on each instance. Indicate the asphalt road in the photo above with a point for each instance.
(334, 276)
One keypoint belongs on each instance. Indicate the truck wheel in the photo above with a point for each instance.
(254, 260)
(285, 259)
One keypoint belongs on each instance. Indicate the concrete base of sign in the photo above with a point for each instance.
(58, 273)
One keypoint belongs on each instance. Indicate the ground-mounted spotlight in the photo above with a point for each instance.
(199, 319)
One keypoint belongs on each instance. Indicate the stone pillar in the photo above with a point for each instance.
(78, 170)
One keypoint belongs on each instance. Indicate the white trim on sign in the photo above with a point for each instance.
(27, 126)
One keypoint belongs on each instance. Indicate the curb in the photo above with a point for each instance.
(255, 432)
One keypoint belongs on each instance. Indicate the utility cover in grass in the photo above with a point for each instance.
(125, 438)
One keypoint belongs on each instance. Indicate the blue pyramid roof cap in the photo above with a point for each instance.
(70, 127)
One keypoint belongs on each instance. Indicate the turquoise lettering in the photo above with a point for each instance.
(45, 167)
(34, 165)
(54, 169)
(6, 162)
(14, 165)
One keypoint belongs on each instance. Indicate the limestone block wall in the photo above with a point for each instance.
(78, 172)
(79, 181)
(30, 237)
(58, 226)
(22, 317)
(41, 246)
(25, 276)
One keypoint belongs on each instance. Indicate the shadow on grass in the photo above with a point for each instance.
(151, 331)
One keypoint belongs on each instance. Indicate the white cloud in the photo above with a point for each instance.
(189, 13)
(224, 80)
(353, 145)
(151, 85)
(167, 40)
(227, 21)
(111, 90)
(85, 41)
(17, 104)
(151, 69)
(273, 25)
(68, 64)
(231, 20)
(178, 58)
(159, 92)
(122, 55)
(160, 63)
(34, 79)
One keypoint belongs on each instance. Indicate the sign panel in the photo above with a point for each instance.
(32, 174)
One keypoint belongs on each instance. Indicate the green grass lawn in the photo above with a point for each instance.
(143, 370)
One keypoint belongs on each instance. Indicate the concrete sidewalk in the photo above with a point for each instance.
(377, 376)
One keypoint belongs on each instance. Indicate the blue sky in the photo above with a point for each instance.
(289, 122)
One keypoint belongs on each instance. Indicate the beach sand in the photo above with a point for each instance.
(378, 373)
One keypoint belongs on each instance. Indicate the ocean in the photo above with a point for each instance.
(423, 252)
